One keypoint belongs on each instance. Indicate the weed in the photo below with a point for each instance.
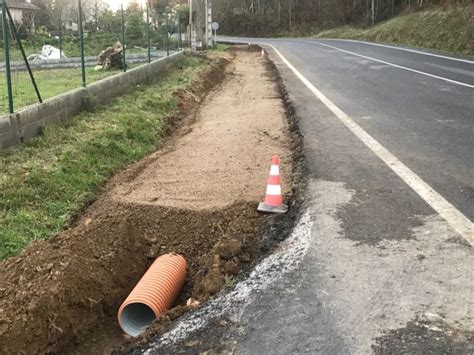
(447, 30)
(220, 47)
(229, 281)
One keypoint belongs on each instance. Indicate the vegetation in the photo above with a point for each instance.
(439, 24)
(219, 47)
(56, 24)
(269, 18)
(43, 183)
(451, 30)
(50, 83)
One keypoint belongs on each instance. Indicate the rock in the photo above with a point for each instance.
(192, 303)
(227, 249)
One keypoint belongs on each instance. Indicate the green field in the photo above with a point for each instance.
(449, 30)
(50, 83)
(44, 182)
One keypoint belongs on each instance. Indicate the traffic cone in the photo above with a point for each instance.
(273, 198)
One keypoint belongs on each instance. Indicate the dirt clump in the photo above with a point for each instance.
(196, 196)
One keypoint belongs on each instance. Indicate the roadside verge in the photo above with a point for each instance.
(197, 196)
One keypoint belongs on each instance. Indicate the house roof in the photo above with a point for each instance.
(21, 5)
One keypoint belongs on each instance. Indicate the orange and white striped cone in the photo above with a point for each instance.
(273, 198)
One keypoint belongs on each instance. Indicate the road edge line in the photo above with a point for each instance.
(400, 49)
(460, 83)
(455, 218)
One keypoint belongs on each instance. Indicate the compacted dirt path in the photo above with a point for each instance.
(196, 196)
(225, 155)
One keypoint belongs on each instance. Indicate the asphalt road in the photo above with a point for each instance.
(381, 260)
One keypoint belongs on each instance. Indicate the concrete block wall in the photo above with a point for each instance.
(31, 121)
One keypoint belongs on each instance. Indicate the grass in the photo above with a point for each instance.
(449, 30)
(45, 182)
(229, 282)
(50, 83)
(220, 47)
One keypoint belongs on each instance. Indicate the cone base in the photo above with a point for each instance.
(262, 207)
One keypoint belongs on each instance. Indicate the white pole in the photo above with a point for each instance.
(190, 4)
(190, 18)
(192, 39)
(206, 19)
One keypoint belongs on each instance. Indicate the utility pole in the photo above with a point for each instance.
(192, 33)
(148, 31)
(81, 34)
(206, 7)
(190, 3)
(208, 22)
(373, 12)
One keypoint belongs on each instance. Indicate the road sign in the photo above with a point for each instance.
(193, 41)
(215, 26)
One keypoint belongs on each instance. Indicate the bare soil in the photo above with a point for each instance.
(196, 196)
(226, 154)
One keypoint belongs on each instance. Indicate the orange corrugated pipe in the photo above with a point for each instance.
(154, 293)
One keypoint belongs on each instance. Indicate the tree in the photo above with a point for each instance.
(270, 17)
(110, 21)
(135, 24)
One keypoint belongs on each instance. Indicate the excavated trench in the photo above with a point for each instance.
(196, 196)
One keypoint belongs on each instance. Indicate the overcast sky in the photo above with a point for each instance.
(115, 4)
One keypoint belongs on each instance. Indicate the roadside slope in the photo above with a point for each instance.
(449, 30)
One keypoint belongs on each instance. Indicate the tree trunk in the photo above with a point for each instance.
(373, 12)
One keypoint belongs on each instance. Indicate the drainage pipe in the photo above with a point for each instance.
(154, 293)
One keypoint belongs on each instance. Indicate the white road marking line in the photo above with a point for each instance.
(393, 65)
(403, 49)
(446, 210)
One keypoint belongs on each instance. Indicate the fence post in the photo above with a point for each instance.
(180, 40)
(81, 34)
(148, 32)
(123, 39)
(6, 49)
(167, 36)
(60, 34)
(25, 59)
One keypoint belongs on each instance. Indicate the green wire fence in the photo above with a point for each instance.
(27, 77)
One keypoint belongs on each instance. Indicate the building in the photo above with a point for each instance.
(23, 12)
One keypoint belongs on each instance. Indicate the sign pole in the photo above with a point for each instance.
(215, 27)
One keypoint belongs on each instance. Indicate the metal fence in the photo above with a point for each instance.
(28, 76)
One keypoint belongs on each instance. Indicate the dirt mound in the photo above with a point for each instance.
(197, 196)
(63, 288)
